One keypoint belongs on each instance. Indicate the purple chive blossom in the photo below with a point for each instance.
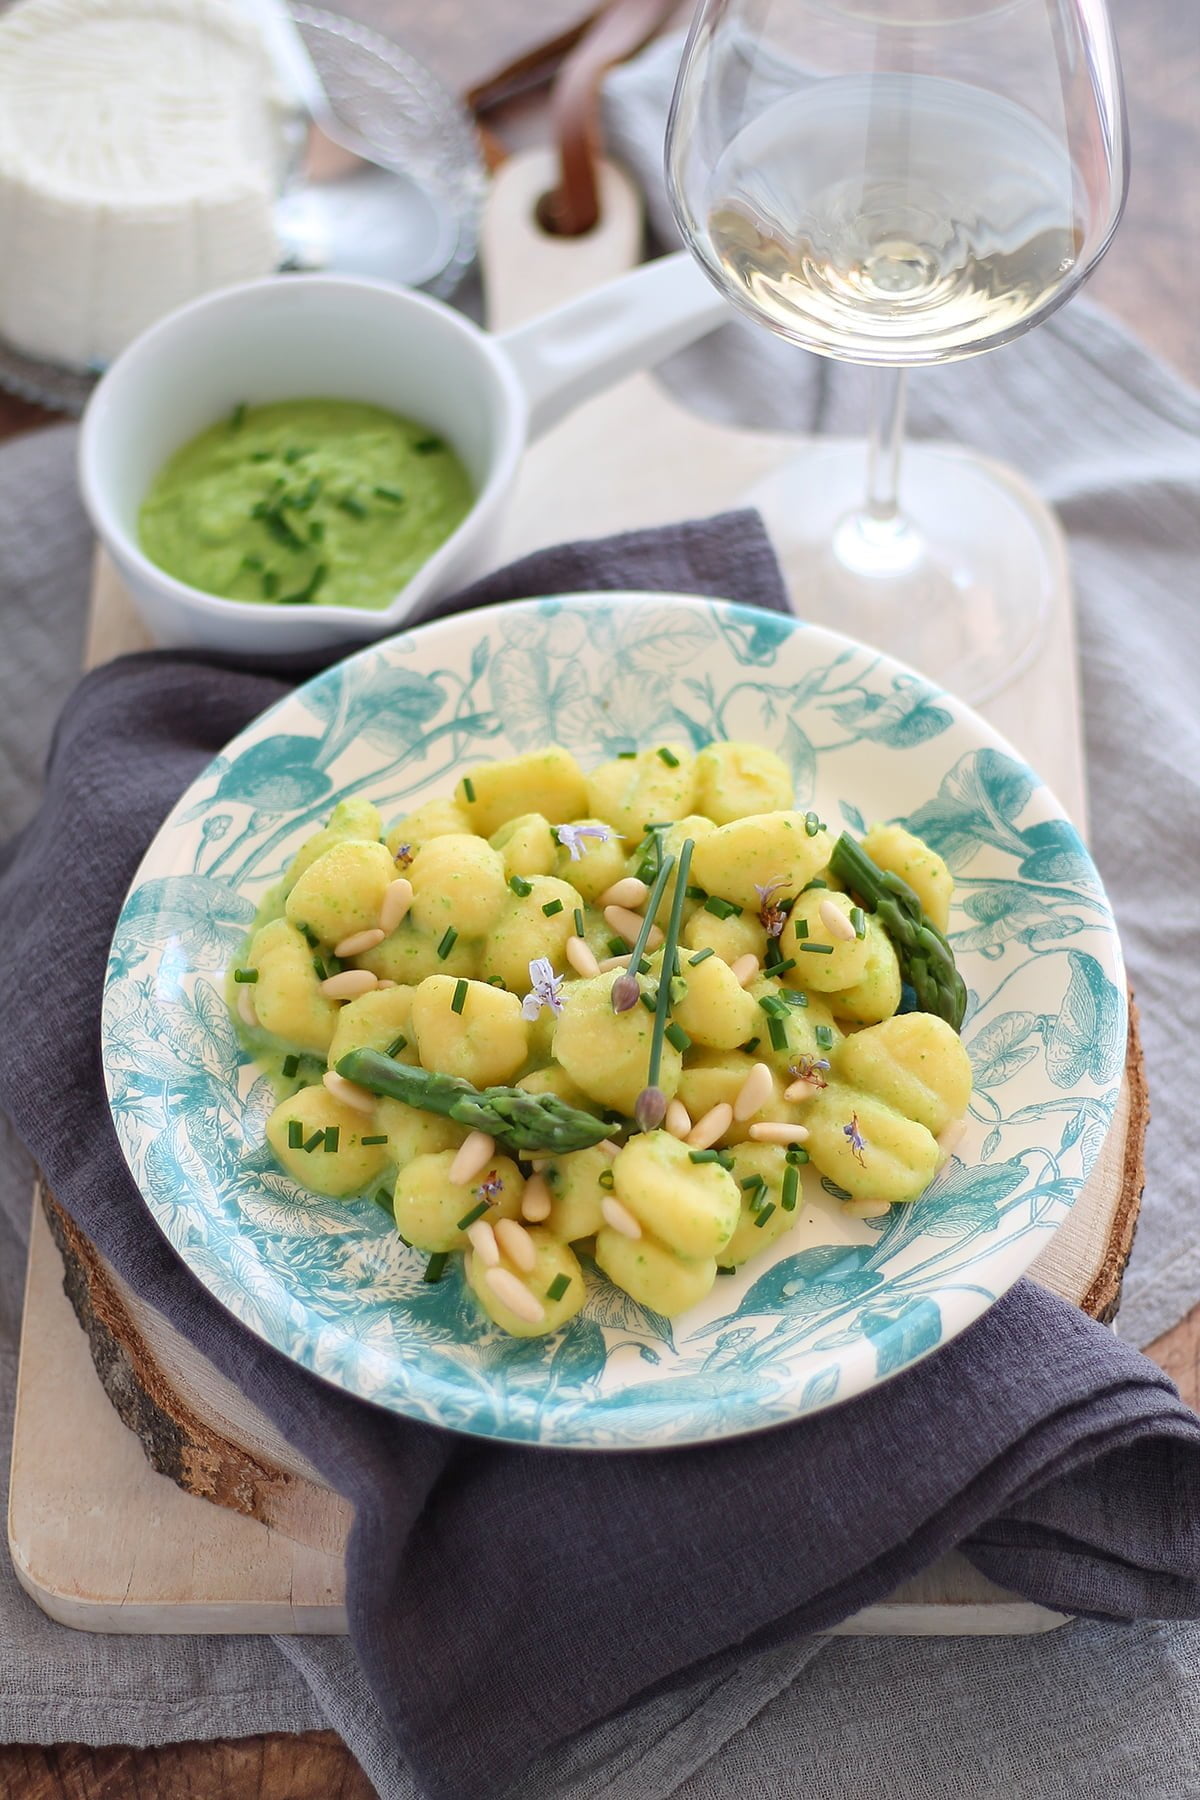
(491, 1187)
(574, 837)
(810, 1068)
(857, 1141)
(404, 855)
(544, 989)
(650, 1109)
(772, 917)
(626, 992)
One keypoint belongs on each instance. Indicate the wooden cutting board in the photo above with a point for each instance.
(99, 1536)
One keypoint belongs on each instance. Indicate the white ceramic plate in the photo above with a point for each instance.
(836, 1305)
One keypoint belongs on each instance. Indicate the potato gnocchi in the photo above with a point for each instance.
(621, 1014)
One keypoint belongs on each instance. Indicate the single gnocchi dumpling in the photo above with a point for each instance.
(380, 1020)
(352, 820)
(411, 1131)
(915, 1063)
(547, 781)
(577, 1192)
(530, 925)
(691, 1207)
(409, 955)
(633, 792)
(870, 1150)
(877, 995)
(458, 884)
(715, 1010)
(468, 1029)
(318, 1140)
(829, 956)
(428, 1207)
(775, 850)
(672, 841)
(553, 1289)
(893, 848)
(716, 1077)
(653, 1275)
(600, 862)
(287, 996)
(806, 1029)
(607, 1053)
(758, 1170)
(527, 845)
(735, 781)
(341, 893)
(732, 937)
(436, 818)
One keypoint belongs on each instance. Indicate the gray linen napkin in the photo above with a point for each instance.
(1065, 1460)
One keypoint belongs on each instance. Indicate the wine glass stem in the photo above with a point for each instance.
(885, 436)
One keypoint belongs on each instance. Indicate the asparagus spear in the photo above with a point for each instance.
(926, 959)
(524, 1123)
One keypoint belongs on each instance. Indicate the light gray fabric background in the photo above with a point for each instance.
(1114, 441)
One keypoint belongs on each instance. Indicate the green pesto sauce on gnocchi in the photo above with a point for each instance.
(489, 936)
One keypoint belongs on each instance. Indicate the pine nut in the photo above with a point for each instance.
(801, 1090)
(536, 1201)
(381, 983)
(714, 1124)
(515, 1295)
(775, 1131)
(950, 1138)
(472, 1156)
(483, 1243)
(608, 1147)
(835, 922)
(615, 962)
(516, 1243)
(619, 1217)
(581, 959)
(349, 984)
(678, 1120)
(348, 1092)
(627, 892)
(359, 942)
(866, 1209)
(745, 969)
(246, 1012)
(754, 1092)
(396, 901)
(628, 924)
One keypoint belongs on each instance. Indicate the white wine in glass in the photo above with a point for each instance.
(897, 182)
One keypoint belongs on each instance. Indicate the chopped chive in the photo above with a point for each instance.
(818, 949)
(316, 531)
(497, 981)
(427, 445)
(469, 790)
(303, 595)
(801, 926)
(350, 503)
(253, 563)
(701, 956)
(751, 1045)
(617, 946)
(332, 1135)
(721, 909)
(704, 1156)
(765, 1214)
(669, 757)
(319, 966)
(649, 1001)
(778, 1032)
(795, 998)
(643, 967)
(520, 886)
(815, 883)
(469, 1218)
(261, 455)
(460, 997)
(295, 452)
(771, 1003)
(858, 919)
(436, 1266)
(676, 1035)
(791, 1182)
(751, 1181)
(726, 1269)
(310, 936)
(270, 584)
(295, 1135)
(383, 1198)
(378, 1138)
(626, 755)
(389, 493)
(812, 824)
(797, 1154)
(397, 1045)
(290, 1065)
(695, 893)
(551, 907)
(781, 968)
(245, 975)
(318, 1137)
(449, 939)
(824, 1036)
(558, 1287)
(646, 871)
(578, 922)
(237, 417)
(606, 1178)
(304, 500)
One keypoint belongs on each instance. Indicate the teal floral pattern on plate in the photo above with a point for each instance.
(833, 1307)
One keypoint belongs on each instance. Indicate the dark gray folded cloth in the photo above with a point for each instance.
(503, 1598)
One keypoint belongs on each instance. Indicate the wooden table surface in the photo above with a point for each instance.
(1150, 279)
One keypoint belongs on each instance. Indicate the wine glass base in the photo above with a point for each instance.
(961, 586)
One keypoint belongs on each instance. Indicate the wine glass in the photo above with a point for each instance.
(896, 182)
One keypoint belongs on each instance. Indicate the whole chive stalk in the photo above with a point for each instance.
(625, 989)
(669, 950)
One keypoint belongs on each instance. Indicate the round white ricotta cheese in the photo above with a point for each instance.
(142, 147)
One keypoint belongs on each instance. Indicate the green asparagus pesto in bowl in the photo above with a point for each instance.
(305, 500)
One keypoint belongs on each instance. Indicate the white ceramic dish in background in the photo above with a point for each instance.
(297, 337)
